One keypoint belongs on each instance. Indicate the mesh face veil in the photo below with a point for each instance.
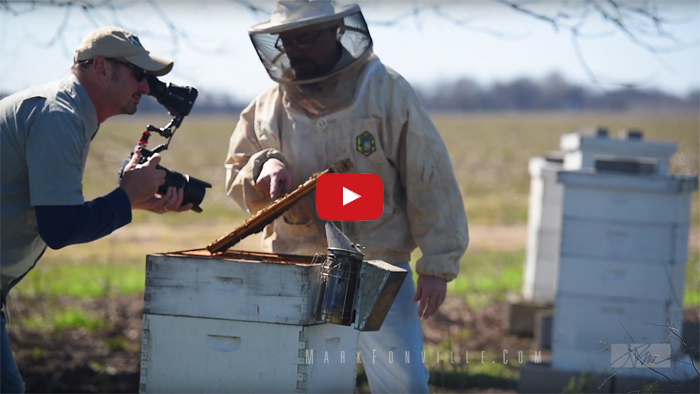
(284, 43)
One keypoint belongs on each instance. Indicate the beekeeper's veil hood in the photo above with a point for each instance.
(309, 17)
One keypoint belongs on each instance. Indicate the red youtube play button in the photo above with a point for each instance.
(349, 197)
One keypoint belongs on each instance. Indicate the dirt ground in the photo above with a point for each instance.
(76, 360)
(108, 359)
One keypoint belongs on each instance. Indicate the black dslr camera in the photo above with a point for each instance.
(178, 100)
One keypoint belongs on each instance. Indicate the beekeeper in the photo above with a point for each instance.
(334, 99)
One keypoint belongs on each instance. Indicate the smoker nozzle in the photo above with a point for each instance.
(339, 241)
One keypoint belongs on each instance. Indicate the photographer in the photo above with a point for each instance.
(46, 133)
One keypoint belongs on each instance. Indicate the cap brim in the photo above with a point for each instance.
(155, 65)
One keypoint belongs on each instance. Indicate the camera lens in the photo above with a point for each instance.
(194, 189)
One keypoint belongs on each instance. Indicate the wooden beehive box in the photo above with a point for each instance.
(221, 320)
(240, 322)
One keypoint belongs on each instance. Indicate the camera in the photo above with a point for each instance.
(178, 101)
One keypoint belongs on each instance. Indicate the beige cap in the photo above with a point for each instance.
(115, 42)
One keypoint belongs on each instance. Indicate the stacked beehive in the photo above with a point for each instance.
(623, 249)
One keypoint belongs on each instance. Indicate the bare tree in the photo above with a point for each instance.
(641, 22)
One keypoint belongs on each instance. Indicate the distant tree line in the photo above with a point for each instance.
(551, 93)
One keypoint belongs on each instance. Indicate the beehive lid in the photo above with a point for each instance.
(621, 181)
(595, 149)
(257, 222)
(629, 144)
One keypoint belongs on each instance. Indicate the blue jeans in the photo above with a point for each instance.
(384, 352)
(10, 378)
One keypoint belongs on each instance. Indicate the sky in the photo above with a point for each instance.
(484, 40)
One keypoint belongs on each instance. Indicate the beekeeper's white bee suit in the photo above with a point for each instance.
(318, 113)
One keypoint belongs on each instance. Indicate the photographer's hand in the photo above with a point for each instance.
(274, 179)
(140, 182)
(170, 202)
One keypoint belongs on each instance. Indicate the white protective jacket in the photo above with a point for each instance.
(423, 205)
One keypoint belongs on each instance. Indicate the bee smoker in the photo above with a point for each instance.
(354, 291)
(340, 274)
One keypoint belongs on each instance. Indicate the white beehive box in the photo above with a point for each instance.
(623, 249)
(240, 322)
(544, 231)
(545, 201)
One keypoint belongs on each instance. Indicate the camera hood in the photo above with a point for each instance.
(178, 100)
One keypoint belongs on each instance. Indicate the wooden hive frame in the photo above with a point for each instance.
(265, 216)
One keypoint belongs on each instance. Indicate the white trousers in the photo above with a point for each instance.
(391, 356)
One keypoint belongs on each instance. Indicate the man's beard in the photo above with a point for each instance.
(305, 69)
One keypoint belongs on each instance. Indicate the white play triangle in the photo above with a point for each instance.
(349, 196)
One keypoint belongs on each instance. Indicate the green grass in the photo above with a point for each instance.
(489, 152)
(120, 343)
(485, 276)
(84, 280)
(63, 319)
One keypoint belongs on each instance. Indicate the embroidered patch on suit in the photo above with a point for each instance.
(366, 144)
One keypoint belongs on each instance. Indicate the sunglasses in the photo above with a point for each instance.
(140, 74)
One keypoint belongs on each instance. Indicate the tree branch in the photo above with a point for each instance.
(554, 21)
(622, 17)
(635, 20)
(255, 10)
(622, 25)
(395, 21)
(466, 24)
